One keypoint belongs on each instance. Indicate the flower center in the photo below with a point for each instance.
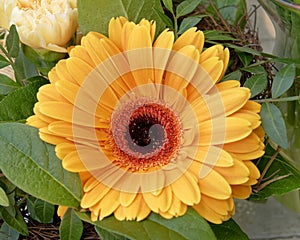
(144, 134)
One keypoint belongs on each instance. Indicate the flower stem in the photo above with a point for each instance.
(286, 99)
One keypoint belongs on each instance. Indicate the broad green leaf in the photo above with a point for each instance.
(18, 105)
(13, 42)
(3, 198)
(169, 5)
(32, 165)
(273, 124)
(256, 83)
(108, 235)
(215, 35)
(228, 230)
(257, 70)
(30, 208)
(164, 18)
(288, 174)
(188, 23)
(189, 226)
(7, 85)
(246, 58)
(231, 10)
(95, 15)
(8, 233)
(24, 67)
(43, 210)
(14, 221)
(236, 75)
(71, 226)
(186, 7)
(43, 59)
(3, 62)
(283, 80)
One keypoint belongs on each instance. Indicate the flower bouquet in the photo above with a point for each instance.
(142, 119)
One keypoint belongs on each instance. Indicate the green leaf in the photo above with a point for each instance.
(13, 42)
(228, 230)
(108, 235)
(169, 5)
(189, 226)
(283, 80)
(257, 70)
(95, 15)
(24, 67)
(14, 221)
(7, 85)
(43, 210)
(282, 168)
(8, 233)
(3, 62)
(236, 75)
(32, 165)
(186, 7)
(71, 226)
(18, 105)
(164, 18)
(256, 84)
(246, 58)
(273, 124)
(3, 198)
(189, 22)
(215, 35)
(231, 10)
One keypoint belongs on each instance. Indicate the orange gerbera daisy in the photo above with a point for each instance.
(148, 126)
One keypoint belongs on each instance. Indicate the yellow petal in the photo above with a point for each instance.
(190, 37)
(208, 213)
(95, 195)
(236, 174)
(186, 189)
(140, 44)
(80, 52)
(214, 67)
(138, 210)
(62, 72)
(222, 103)
(213, 156)
(223, 130)
(221, 207)
(151, 27)
(73, 163)
(252, 106)
(248, 144)
(115, 28)
(78, 69)
(162, 202)
(35, 121)
(64, 149)
(126, 198)
(177, 208)
(61, 210)
(252, 117)
(161, 53)
(48, 137)
(182, 67)
(48, 92)
(215, 186)
(241, 191)
(228, 85)
(251, 155)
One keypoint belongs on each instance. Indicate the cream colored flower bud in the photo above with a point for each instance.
(45, 24)
(6, 7)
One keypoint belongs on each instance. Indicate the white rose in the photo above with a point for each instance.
(45, 24)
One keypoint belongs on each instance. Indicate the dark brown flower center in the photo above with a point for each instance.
(144, 134)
